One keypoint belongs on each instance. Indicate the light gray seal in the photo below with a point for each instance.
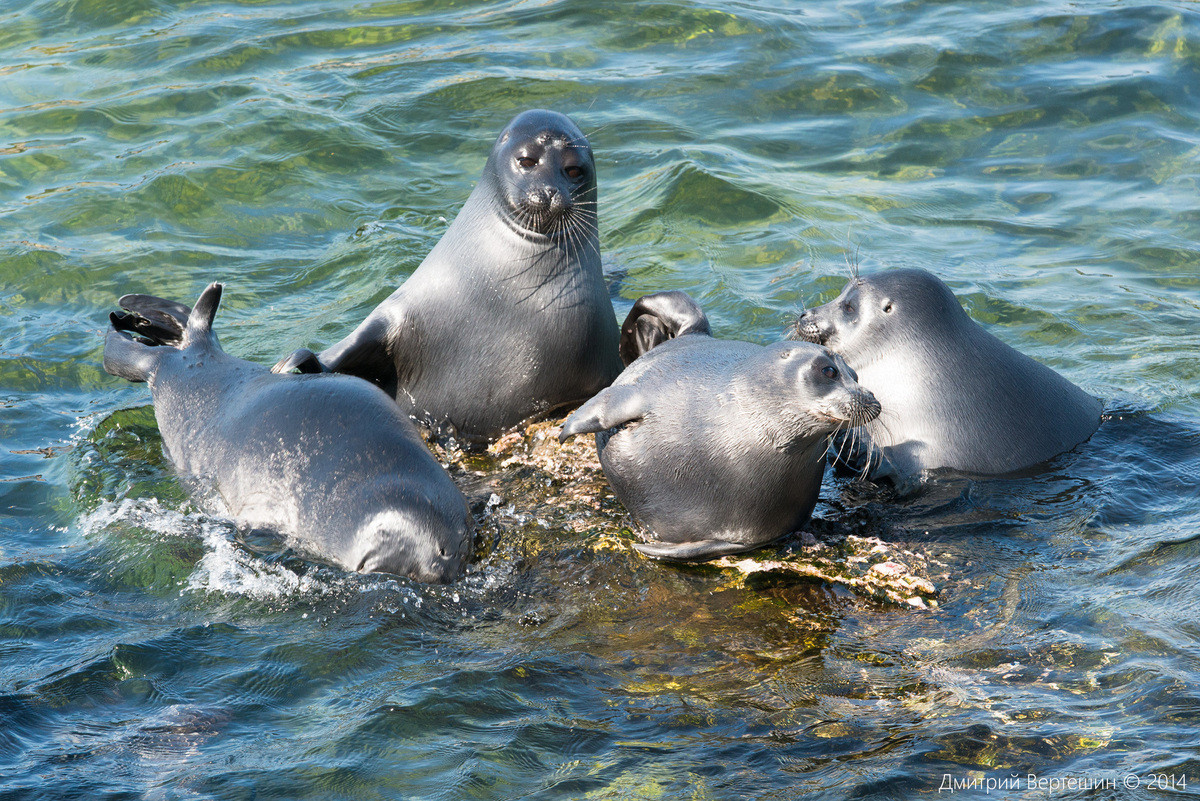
(329, 461)
(716, 446)
(953, 395)
(508, 317)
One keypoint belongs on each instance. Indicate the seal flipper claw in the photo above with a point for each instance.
(160, 321)
(695, 551)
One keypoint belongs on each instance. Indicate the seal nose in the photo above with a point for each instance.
(547, 199)
(866, 407)
(808, 329)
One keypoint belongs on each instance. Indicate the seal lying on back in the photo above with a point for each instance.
(508, 317)
(715, 446)
(953, 395)
(328, 460)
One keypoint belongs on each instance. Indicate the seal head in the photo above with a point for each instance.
(545, 175)
(954, 396)
(508, 318)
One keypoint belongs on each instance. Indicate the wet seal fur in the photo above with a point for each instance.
(328, 460)
(953, 395)
(508, 317)
(716, 446)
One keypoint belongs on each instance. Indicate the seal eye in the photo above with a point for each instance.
(527, 162)
(830, 372)
(887, 307)
(574, 173)
(848, 307)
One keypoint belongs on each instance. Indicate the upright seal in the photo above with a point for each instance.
(716, 447)
(953, 395)
(328, 460)
(508, 318)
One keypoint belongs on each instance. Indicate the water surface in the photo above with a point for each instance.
(1042, 157)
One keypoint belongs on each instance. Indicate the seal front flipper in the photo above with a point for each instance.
(658, 317)
(612, 407)
(126, 357)
(364, 353)
(301, 360)
(695, 551)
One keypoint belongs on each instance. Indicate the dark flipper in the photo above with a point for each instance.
(149, 323)
(364, 353)
(301, 360)
(160, 321)
(658, 317)
(696, 551)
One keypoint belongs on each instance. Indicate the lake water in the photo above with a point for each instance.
(1041, 157)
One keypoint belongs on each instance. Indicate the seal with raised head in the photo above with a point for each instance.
(329, 461)
(508, 317)
(953, 395)
(716, 446)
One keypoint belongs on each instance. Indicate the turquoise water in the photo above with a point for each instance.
(1043, 158)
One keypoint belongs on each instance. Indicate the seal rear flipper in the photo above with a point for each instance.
(695, 551)
(160, 321)
(658, 317)
(612, 407)
(199, 322)
(126, 357)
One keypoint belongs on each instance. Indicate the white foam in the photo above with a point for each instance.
(145, 513)
(229, 570)
(225, 567)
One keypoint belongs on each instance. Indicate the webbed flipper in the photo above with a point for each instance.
(658, 317)
(365, 353)
(611, 407)
(149, 323)
(301, 360)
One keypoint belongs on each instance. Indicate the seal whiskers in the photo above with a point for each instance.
(954, 395)
(508, 317)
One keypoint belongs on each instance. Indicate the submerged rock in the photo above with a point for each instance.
(527, 479)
